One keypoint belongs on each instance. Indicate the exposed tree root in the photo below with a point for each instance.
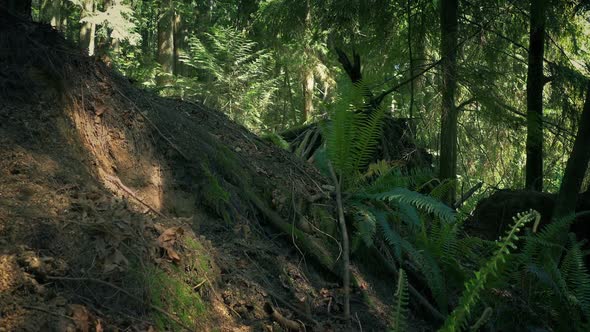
(284, 321)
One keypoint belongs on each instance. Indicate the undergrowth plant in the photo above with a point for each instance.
(353, 133)
(399, 213)
(233, 74)
(475, 286)
(553, 280)
(387, 211)
(401, 304)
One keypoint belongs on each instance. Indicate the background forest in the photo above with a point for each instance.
(421, 115)
(272, 65)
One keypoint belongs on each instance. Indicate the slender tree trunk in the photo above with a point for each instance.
(411, 60)
(308, 88)
(166, 43)
(146, 35)
(51, 13)
(114, 43)
(448, 142)
(87, 30)
(418, 63)
(179, 43)
(535, 83)
(308, 78)
(577, 164)
(245, 10)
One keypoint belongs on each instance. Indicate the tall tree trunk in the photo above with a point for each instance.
(87, 30)
(245, 10)
(577, 164)
(180, 31)
(448, 47)
(411, 61)
(51, 13)
(308, 89)
(418, 42)
(20, 8)
(535, 83)
(308, 78)
(166, 43)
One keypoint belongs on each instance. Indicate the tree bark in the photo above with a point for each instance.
(418, 42)
(308, 78)
(179, 43)
(448, 142)
(535, 83)
(87, 30)
(308, 87)
(51, 13)
(575, 169)
(166, 43)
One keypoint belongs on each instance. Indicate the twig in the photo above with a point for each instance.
(345, 248)
(467, 195)
(49, 312)
(116, 181)
(133, 297)
(359, 322)
(200, 284)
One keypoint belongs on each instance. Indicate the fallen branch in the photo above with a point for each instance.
(284, 321)
(306, 243)
(30, 307)
(467, 195)
(117, 182)
(345, 247)
(415, 294)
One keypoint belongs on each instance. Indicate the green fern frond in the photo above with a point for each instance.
(442, 189)
(379, 169)
(576, 277)
(354, 132)
(435, 278)
(366, 225)
(422, 202)
(402, 300)
(478, 282)
(391, 236)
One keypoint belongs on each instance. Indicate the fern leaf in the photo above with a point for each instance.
(423, 202)
(401, 304)
(478, 282)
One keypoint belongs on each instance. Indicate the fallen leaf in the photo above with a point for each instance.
(167, 239)
(81, 317)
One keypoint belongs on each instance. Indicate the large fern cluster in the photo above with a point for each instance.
(554, 279)
(353, 133)
(232, 74)
(419, 230)
(476, 285)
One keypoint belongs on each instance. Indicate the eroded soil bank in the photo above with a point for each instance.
(121, 210)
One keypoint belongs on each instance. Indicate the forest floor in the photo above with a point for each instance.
(121, 210)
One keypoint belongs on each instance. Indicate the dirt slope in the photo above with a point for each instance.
(121, 210)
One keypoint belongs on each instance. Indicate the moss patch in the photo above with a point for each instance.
(171, 293)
